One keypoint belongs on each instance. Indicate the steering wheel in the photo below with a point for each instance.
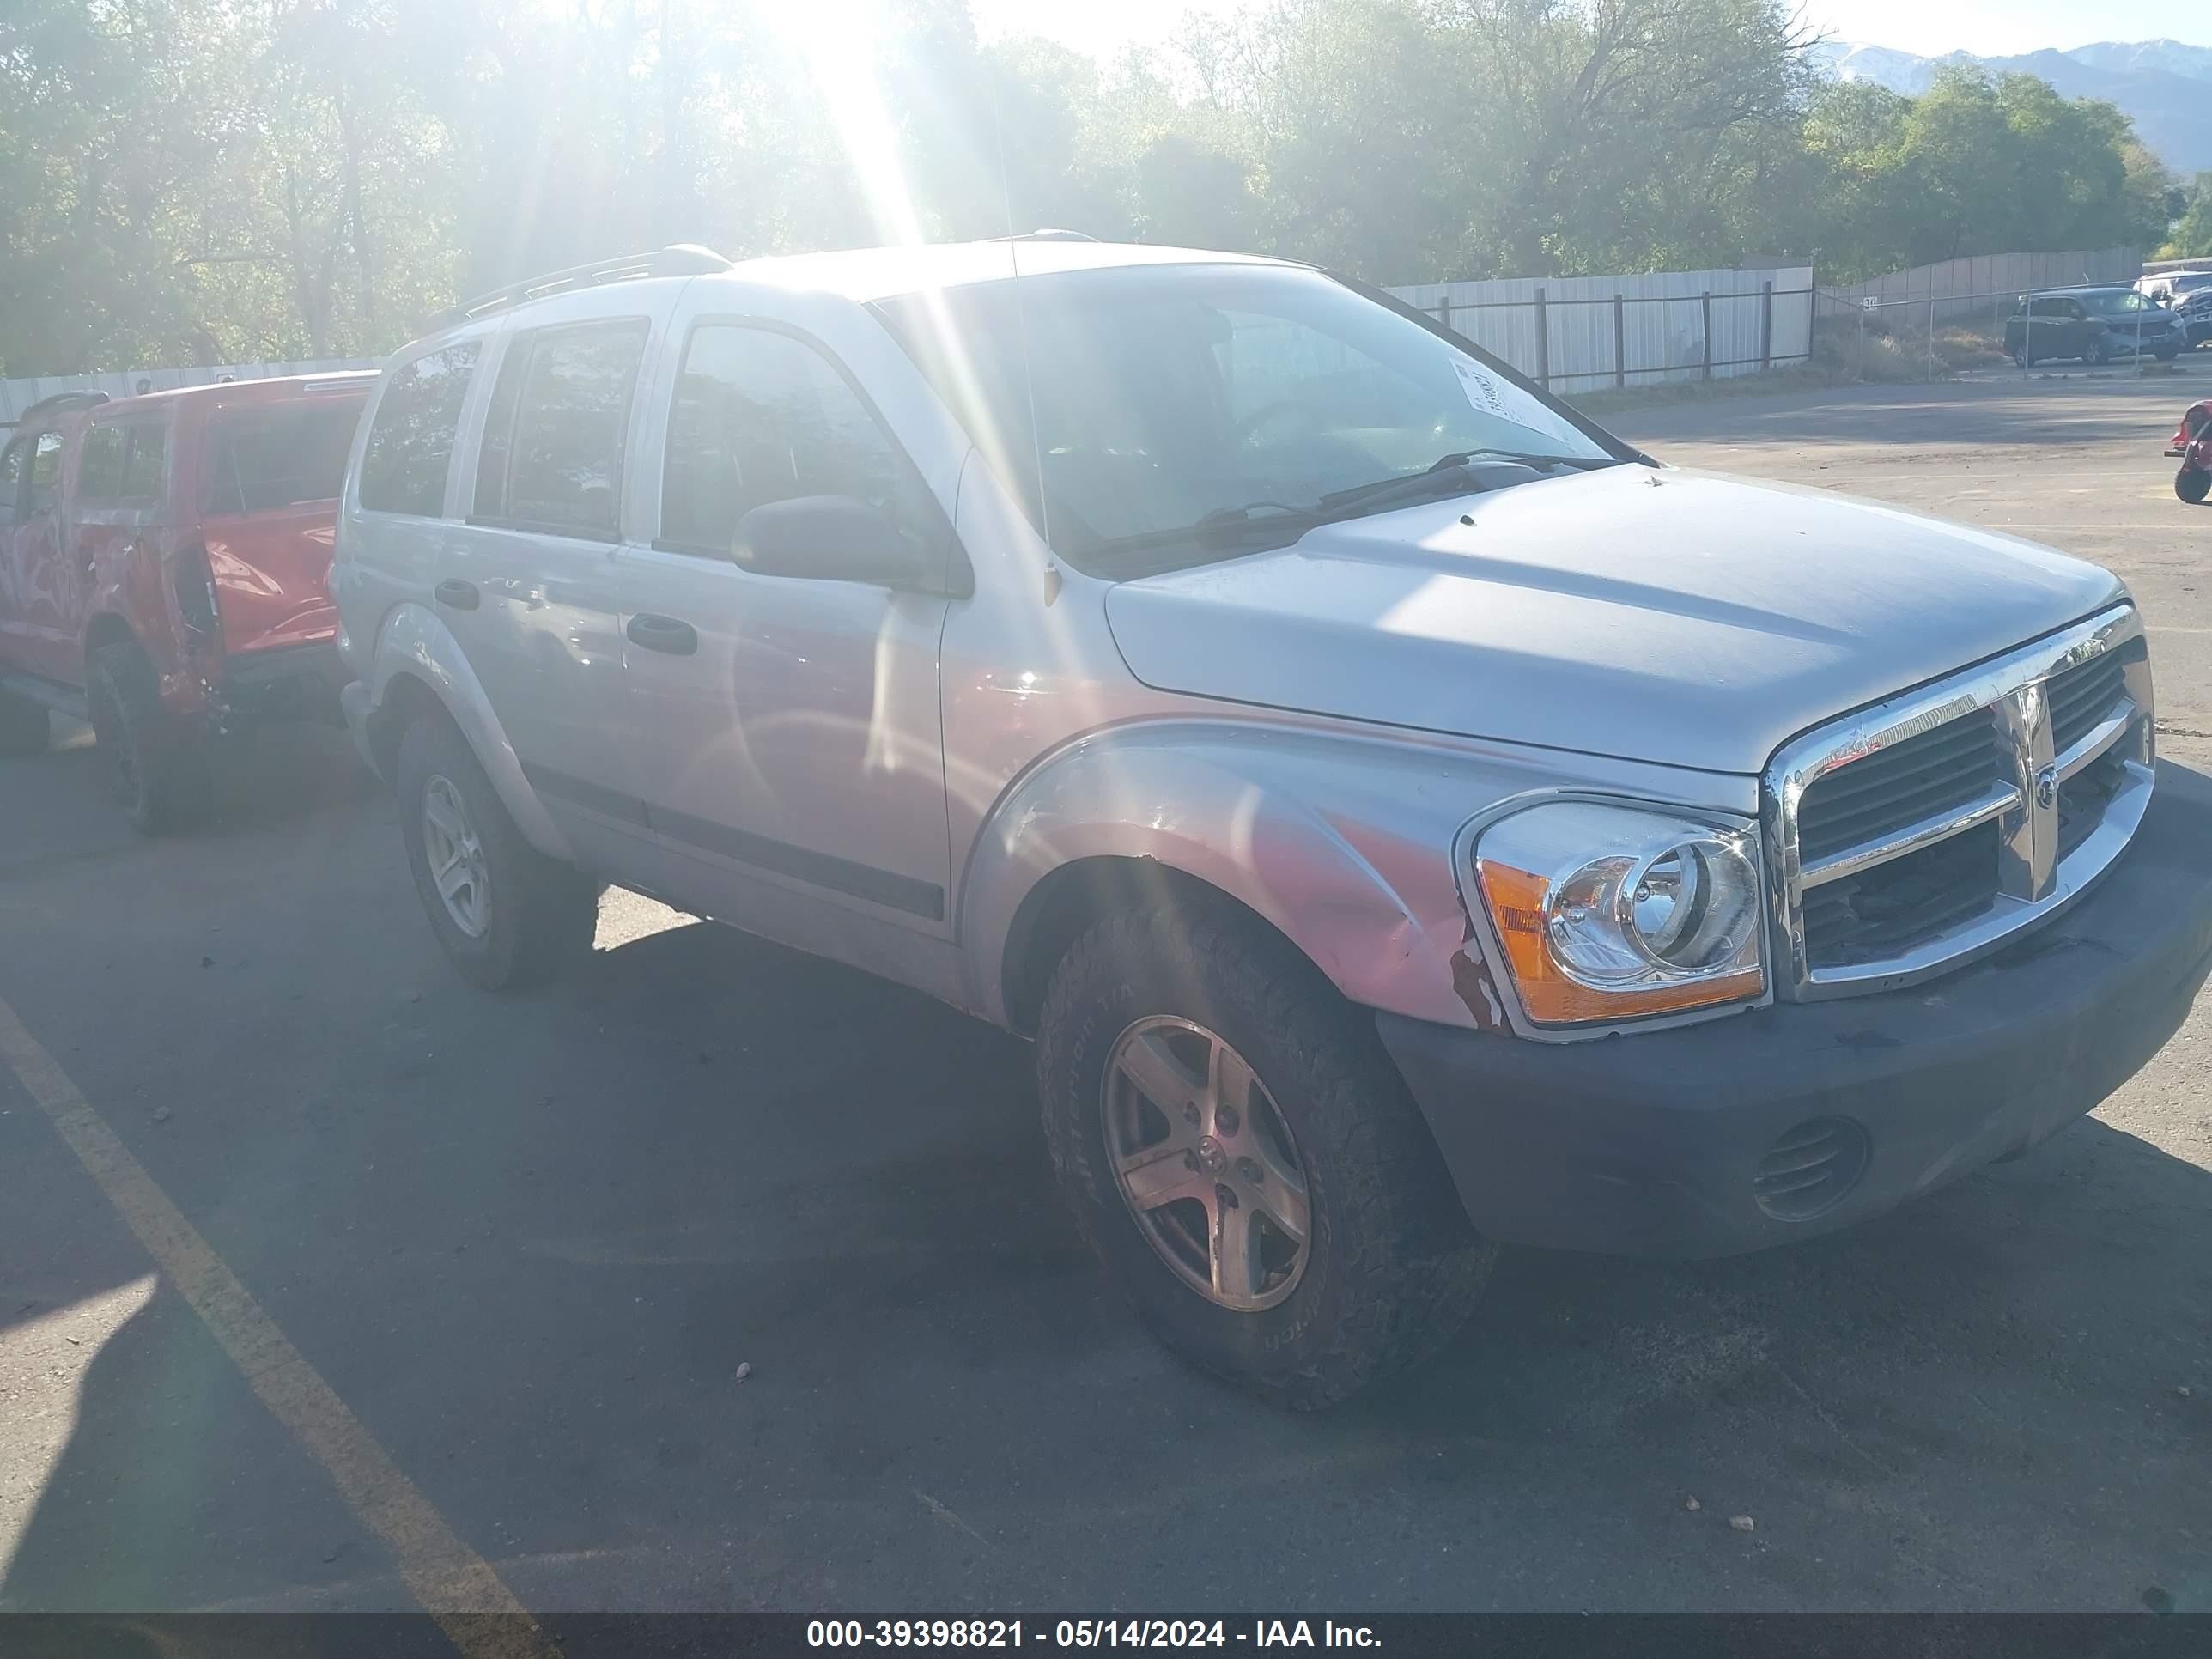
(1282, 409)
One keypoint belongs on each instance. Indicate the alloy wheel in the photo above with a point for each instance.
(456, 857)
(1206, 1164)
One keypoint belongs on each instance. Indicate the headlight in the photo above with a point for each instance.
(1612, 912)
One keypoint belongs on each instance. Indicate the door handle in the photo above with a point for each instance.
(532, 598)
(678, 639)
(461, 596)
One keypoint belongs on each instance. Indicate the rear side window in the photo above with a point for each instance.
(11, 477)
(2051, 308)
(552, 456)
(99, 470)
(411, 441)
(266, 460)
(45, 480)
(759, 417)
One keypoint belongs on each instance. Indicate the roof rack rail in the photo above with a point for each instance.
(1046, 234)
(680, 260)
(62, 402)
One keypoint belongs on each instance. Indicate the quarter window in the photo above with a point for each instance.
(411, 439)
(99, 469)
(268, 460)
(552, 456)
(146, 464)
(759, 417)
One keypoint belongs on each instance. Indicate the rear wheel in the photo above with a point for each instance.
(2193, 484)
(1245, 1160)
(157, 768)
(2020, 355)
(507, 915)
(24, 728)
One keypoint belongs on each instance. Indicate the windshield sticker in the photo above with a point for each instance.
(1481, 391)
(1487, 395)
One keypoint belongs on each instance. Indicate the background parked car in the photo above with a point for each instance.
(164, 570)
(2095, 325)
(2195, 311)
(2171, 288)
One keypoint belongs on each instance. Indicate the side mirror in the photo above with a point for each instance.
(829, 539)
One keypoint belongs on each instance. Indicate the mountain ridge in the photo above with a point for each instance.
(2163, 86)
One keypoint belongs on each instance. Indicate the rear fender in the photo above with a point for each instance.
(414, 644)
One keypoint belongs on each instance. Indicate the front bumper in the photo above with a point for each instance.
(1652, 1144)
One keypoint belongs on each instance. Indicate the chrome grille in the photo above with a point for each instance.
(1939, 771)
(1904, 902)
(1919, 833)
(2084, 695)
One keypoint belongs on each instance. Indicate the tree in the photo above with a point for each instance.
(2191, 234)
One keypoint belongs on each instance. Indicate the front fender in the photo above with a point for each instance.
(413, 643)
(1343, 844)
(1343, 841)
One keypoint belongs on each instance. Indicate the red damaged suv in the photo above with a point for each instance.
(164, 571)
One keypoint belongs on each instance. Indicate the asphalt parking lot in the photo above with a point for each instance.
(528, 1244)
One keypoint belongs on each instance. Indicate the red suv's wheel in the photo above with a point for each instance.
(158, 773)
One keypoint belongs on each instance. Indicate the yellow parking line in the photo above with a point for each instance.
(457, 1587)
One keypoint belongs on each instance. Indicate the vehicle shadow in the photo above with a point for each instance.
(724, 1277)
(65, 806)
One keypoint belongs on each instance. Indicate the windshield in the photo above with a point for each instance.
(1165, 394)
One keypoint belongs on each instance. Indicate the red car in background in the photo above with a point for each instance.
(164, 571)
(2195, 422)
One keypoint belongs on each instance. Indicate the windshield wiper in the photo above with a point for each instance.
(1223, 525)
(1447, 474)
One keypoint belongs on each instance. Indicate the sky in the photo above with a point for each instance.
(1987, 28)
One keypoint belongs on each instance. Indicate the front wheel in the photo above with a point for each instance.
(2193, 484)
(2094, 353)
(507, 915)
(1244, 1160)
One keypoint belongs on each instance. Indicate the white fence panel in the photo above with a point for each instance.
(1587, 333)
(18, 395)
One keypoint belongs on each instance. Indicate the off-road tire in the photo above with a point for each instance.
(25, 728)
(157, 768)
(2193, 484)
(1393, 1267)
(541, 913)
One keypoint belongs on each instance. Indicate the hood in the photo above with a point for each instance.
(1681, 617)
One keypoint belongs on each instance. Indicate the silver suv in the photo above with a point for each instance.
(1405, 816)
